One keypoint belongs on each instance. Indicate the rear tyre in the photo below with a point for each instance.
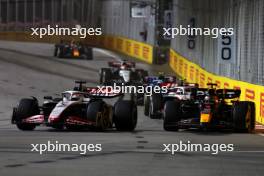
(26, 108)
(155, 106)
(253, 115)
(244, 116)
(60, 52)
(105, 75)
(125, 115)
(146, 105)
(144, 74)
(140, 99)
(55, 51)
(141, 74)
(89, 53)
(172, 114)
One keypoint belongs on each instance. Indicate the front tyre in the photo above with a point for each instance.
(171, 115)
(155, 106)
(146, 105)
(26, 108)
(244, 116)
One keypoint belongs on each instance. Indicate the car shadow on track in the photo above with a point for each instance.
(92, 131)
(211, 132)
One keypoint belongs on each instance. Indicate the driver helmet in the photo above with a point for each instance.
(123, 65)
(161, 75)
(171, 79)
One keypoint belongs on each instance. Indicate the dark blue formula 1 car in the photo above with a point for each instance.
(73, 50)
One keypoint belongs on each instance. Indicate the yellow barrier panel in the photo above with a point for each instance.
(195, 74)
(139, 50)
(135, 49)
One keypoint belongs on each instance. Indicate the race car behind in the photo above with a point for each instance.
(122, 72)
(73, 50)
(154, 104)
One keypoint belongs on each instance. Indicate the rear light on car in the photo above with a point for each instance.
(76, 53)
(205, 118)
(207, 106)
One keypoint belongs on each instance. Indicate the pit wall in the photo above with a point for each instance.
(183, 67)
(193, 73)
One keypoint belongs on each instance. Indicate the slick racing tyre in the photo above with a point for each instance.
(26, 108)
(155, 106)
(140, 99)
(244, 116)
(89, 53)
(105, 75)
(60, 52)
(125, 115)
(55, 51)
(172, 114)
(98, 112)
(146, 105)
(141, 74)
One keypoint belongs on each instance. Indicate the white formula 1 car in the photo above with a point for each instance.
(77, 109)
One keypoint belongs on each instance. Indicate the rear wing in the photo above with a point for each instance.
(118, 64)
(150, 79)
(228, 93)
(212, 85)
(79, 85)
(220, 93)
(166, 79)
(201, 93)
(68, 42)
(107, 92)
(96, 92)
(114, 64)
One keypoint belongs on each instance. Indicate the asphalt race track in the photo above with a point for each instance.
(30, 70)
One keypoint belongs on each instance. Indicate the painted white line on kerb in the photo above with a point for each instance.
(114, 56)
(260, 134)
(248, 151)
